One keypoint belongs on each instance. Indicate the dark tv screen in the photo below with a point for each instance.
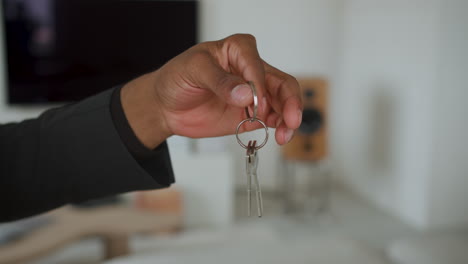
(66, 50)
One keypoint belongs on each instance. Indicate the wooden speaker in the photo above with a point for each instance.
(310, 141)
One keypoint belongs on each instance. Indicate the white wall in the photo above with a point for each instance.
(299, 36)
(449, 180)
(383, 110)
(206, 185)
(401, 114)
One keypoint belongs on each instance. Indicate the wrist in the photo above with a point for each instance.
(143, 111)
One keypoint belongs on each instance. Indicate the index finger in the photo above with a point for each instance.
(239, 55)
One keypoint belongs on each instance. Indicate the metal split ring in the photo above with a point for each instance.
(252, 120)
(255, 104)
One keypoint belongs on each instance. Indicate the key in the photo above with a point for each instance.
(251, 159)
(251, 156)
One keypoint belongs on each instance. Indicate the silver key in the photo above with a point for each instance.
(251, 160)
(251, 156)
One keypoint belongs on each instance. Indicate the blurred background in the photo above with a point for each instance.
(377, 173)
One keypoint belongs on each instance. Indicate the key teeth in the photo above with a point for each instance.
(252, 161)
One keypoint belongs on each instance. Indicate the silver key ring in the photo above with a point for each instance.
(252, 120)
(255, 106)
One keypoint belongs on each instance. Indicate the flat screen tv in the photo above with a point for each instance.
(66, 50)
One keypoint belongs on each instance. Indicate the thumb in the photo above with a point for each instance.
(241, 95)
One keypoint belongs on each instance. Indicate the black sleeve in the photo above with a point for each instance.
(68, 155)
(144, 156)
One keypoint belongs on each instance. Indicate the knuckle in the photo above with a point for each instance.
(297, 88)
(242, 37)
(290, 81)
(249, 37)
(293, 81)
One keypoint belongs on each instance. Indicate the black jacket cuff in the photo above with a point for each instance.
(149, 160)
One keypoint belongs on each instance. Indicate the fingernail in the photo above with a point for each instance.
(264, 103)
(299, 115)
(288, 135)
(241, 93)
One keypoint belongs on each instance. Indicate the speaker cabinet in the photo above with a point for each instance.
(310, 141)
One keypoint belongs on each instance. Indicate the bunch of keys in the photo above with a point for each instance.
(251, 155)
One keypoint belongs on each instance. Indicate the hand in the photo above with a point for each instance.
(203, 92)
